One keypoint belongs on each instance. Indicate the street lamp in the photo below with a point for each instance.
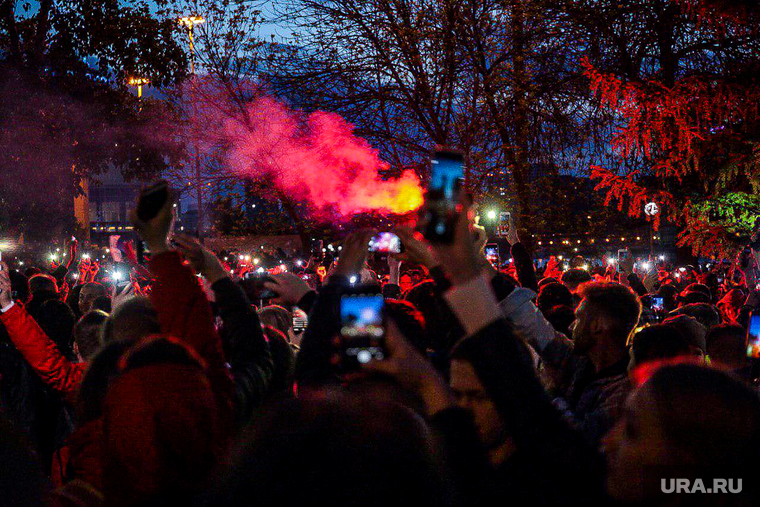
(138, 82)
(190, 22)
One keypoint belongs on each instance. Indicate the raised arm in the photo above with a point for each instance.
(247, 350)
(182, 308)
(36, 347)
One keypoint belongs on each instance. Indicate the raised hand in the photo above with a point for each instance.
(201, 258)
(416, 249)
(6, 291)
(354, 253)
(155, 232)
(412, 371)
(288, 287)
(460, 259)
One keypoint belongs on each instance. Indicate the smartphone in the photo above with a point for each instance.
(492, 253)
(385, 242)
(142, 252)
(300, 320)
(622, 255)
(152, 199)
(658, 304)
(362, 329)
(753, 337)
(504, 219)
(254, 285)
(442, 198)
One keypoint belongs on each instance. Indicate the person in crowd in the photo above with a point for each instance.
(553, 294)
(88, 294)
(657, 342)
(591, 369)
(692, 330)
(686, 422)
(574, 278)
(88, 332)
(727, 347)
(280, 319)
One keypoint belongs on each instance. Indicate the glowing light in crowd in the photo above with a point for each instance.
(75, 276)
(247, 258)
(352, 279)
(108, 250)
(584, 267)
(85, 256)
(645, 266)
(662, 257)
(116, 275)
(241, 258)
(491, 215)
(611, 260)
(340, 248)
(256, 261)
(560, 257)
(299, 263)
(260, 270)
(53, 257)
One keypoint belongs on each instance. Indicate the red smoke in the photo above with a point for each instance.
(313, 158)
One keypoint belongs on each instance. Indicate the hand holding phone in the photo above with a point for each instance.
(255, 285)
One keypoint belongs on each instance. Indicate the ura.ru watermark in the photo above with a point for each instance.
(700, 486)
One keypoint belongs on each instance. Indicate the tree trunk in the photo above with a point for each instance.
(521, 166)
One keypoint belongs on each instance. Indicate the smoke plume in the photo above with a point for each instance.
(313, 158)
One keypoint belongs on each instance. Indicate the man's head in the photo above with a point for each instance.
(573, 278)
(606, 316)
(471, 395)
(133, 319)
(553, 294)
(692, 330)
(42, 283)
(726, 345)
(89, 293)
(87, 334)
(660, 341)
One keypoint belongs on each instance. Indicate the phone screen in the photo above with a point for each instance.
(445, 175)
(300, 320)
(658, 304)
(753, 337)
(492, 253)
(622, 255)
(504, 218)
(385, 242)
(362, 329)
(442, 199)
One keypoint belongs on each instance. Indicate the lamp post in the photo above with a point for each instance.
(189, 22)
(138, 82)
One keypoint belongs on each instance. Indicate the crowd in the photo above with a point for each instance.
(497, 384)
